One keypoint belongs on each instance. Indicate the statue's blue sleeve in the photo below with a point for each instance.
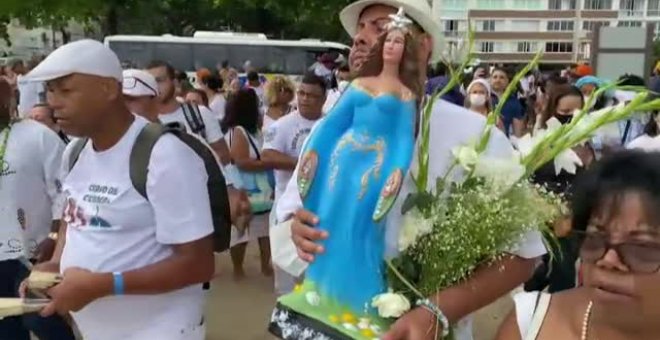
(405, 135)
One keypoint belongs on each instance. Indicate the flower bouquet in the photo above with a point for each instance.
(456, 226)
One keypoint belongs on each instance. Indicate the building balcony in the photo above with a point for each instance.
(510, 57)
(543, 14)
(631, 13)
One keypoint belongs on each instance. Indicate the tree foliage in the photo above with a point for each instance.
(290, 19)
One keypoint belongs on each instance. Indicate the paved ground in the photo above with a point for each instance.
(240, 310)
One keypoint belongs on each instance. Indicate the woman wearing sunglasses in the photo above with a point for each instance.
(616, 203)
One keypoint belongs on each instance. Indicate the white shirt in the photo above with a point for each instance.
(645, 143)
(30, 189)
(217, 106)
(211, 123)
(451, 126)
(111, 228)
(287, 136)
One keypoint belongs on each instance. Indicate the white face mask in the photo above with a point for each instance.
(477, 99)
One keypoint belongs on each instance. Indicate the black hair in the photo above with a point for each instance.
(242, 110)
(253, 76)
(160, 63)
(631, 80)
(213, 82)
(603, 186)
(180, 75)
(225, 64)
(651, 128)
(312, 79)
(344, 68)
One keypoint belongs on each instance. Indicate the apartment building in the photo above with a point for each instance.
(511, 31)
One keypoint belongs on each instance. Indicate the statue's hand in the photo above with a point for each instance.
(305, 234)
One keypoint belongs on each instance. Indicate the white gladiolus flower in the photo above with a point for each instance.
(391, 305)
(466, 156)
(567, 160)
(500, 171)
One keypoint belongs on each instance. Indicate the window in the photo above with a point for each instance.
(561, 4)
(590, 25)
(527, 4)
(488, 26)
(631, 8)
(487, 47)
(559, 47)
(451, 25)
(561, 25)
(598, 4)
(653, 8)
(629, 24)
(490, 4)
(527, 47)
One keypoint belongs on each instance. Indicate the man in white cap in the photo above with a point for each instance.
(141, 93)
(132, 267)
(451, 126)
(30, 209)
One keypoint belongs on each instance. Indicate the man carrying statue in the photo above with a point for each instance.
(451, 126)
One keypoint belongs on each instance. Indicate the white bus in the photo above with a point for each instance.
(209, 49)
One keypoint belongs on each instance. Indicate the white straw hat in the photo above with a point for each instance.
(417, 10)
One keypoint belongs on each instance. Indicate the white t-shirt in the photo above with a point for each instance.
(217, 106)
(287, 136)
(451, 126)
(211, 123)
(646, 143)
(30, 188)
(111, 228)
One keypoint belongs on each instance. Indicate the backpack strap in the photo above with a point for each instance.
(76, 149)
(194, 119)
(140, 155)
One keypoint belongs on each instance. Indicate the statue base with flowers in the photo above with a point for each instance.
(304, 314)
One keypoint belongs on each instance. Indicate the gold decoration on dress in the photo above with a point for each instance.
(349, 139)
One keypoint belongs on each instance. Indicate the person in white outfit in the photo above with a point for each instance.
(132, 267)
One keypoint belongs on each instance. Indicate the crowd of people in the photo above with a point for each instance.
(135, 257)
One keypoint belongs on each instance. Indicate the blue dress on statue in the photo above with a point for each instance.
(352, 168)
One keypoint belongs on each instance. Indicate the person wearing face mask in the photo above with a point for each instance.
(479, 99)
(558, 273)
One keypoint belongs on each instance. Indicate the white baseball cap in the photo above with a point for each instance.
(138, 83)
(417, 10)
(86, 56)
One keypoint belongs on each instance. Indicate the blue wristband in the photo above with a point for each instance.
(118, 281)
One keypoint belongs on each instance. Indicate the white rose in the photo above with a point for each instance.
(390, 305)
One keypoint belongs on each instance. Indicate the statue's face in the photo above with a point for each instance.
(394, 46)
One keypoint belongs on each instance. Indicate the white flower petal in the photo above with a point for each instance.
(364, 323)
(350, 327)
(567, 160)
(390, 305)
(313, 298)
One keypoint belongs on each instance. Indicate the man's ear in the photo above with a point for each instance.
(111, 89)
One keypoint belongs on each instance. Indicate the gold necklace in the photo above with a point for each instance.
(585, 321)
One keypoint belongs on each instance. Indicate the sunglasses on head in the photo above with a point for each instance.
(640, 256)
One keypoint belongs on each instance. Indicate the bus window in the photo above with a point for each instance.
(133, 54)
(179, 55)
(209, 56)
(257, 55)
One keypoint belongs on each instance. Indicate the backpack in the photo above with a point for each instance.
(194, 119)
(138, 168)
